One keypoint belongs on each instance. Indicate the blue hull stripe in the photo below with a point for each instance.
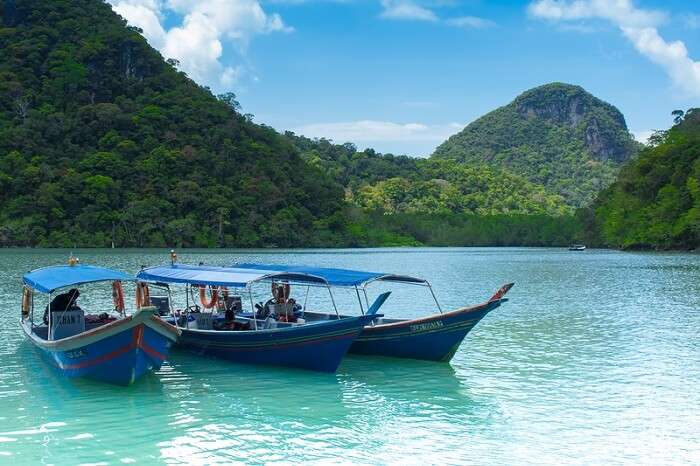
(318, 347)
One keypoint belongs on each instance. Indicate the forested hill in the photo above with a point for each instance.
(401, 184)
(102, 141)
(655, 203)
(556, 135)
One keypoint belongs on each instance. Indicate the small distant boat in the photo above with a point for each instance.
(268, 334)
(435, 337)
(110, 346)
(577, 247)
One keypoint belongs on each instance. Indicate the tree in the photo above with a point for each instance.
(229, 98)
(678, 116)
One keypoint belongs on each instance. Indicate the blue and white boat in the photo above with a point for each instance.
(270, 334)
(435, 337)
(106, 346)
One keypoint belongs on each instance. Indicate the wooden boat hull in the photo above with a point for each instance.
(432, 338)
(119, 352)
(318, 346)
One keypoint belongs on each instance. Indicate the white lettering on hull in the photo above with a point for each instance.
(426, 326)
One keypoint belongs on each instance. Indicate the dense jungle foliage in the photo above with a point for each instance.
(556, 135)
(449, 229)
(103, 142)
(655, 202)
(400, 184)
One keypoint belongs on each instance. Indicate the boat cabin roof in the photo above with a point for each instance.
(333, 276)
(49, 279)
(219, 276)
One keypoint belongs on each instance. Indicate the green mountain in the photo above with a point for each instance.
(102, 141)
(655, 202)
(557, 135)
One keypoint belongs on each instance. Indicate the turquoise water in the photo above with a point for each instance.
(595, 359)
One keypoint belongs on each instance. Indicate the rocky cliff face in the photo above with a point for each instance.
(557, 135)
(572, 106)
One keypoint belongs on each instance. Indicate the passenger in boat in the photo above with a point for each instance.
(285, 305)
(63, 302)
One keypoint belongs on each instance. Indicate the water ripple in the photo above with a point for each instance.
(594, 360)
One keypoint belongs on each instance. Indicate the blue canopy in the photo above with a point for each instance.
(218, 276)
(48, 279)
(335, 277)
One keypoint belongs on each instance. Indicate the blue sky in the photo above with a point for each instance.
(402, 75)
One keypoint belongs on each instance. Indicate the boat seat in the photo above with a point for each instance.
(65, 324)
(272, 323)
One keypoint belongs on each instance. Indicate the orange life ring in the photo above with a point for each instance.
(118, 296)
(26, 300)
(203, 296)
(143, 297)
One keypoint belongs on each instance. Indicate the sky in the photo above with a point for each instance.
(401, 76)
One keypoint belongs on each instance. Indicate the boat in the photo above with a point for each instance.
(434, 337)
(215, 323)
(577, 247)
(105, 346)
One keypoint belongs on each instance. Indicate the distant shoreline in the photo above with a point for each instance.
(358, 248)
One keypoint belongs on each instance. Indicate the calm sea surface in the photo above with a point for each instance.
(595, 359)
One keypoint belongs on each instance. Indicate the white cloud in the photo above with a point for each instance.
(470, 22)
(672, 56)
(639, 26)
(144, 15)
(198, 42)
(416, 10)
(371, 131)
(618, 11)
(642, 135)
(406, 10)
(416, 139)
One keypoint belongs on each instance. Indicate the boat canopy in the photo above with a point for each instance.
(219, 276)
(332, 276)
(49, 279)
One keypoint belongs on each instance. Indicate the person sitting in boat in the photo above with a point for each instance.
(281, 307)
(63, 302)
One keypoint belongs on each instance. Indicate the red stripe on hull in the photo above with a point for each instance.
(136, 342)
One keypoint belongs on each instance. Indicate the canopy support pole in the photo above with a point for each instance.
(306, 299)
(31, 315)
(171, 307)
(333, 301)
(252, 307)
(434, 297)
(359, 300)
(364, 290)
(187, 306)
(48, 330)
